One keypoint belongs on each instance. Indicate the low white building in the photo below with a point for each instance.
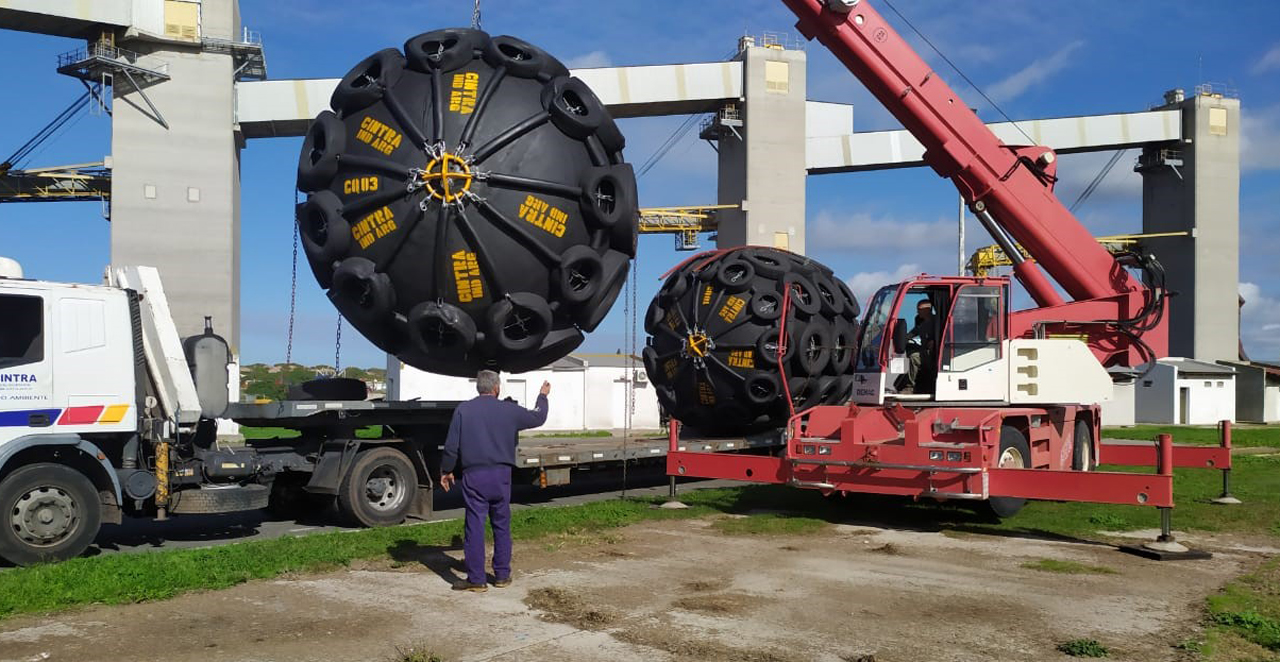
(1183, 391)
(588, 391)
(1119, 410)
(1257, 391)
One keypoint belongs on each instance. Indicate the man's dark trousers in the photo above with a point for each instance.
(487, 491)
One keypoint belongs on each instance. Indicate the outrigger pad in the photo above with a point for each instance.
(1166, 555)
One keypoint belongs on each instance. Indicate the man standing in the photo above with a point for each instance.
(482, 446)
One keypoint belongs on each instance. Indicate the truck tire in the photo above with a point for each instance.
(379, 489)
(50, 513)
(1082, 446)
(1014, 453)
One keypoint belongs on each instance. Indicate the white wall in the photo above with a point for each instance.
(590, 399)
(1212, 399)
(1271, 404)
(1119, 410)
(1155, 398)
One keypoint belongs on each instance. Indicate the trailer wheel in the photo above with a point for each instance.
(50, 512)
(1014, 453)
(1082, 443)
(379, 488)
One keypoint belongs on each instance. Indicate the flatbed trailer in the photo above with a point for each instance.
(324, 458)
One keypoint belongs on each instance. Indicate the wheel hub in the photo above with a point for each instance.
(1011, 458)
(384, 489)
(44, 516)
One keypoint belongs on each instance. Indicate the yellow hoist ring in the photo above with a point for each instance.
(440, 174)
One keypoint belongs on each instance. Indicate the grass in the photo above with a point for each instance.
(572, 434)
(371, 432)
(769, 524)
(415, 654)
(1246, 610)
(130, 578)
(1199, 435)
(1068, 567)
(1084, 648)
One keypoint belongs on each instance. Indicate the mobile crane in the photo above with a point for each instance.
(1008, 406)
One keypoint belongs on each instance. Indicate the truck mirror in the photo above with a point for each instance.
(899, 336)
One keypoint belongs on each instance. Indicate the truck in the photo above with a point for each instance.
(105, 412)
(1006, 407)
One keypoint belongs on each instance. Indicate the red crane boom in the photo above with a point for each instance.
(1009, 189)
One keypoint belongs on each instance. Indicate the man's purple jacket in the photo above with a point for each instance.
(491, 429)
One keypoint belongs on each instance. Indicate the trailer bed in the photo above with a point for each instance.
(557, 452)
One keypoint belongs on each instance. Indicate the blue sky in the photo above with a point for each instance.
(1035, 59)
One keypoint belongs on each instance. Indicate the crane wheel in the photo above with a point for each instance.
(1014, 453)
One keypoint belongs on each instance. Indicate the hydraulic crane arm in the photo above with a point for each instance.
(1009, 188)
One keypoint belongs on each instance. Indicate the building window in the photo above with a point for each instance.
(22, 337)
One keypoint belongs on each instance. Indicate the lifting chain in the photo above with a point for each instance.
(337, 349)
(293, 286)
(475, 17)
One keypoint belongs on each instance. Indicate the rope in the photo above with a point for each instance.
(1102, 174)
(957, 70)
(475, 16)
(782, 348)
(293, 287)
(628, 335)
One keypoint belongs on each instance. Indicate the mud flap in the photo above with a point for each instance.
(334, 462)
(423, 503)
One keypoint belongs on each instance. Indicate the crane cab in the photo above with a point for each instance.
(934, 338)
(946, 339)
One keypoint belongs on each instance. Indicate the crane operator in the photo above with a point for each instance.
(921, 350)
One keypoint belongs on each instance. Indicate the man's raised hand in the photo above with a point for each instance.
(546, 388)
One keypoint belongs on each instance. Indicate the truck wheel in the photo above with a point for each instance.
(1014, 453)
(379, 489)
(50, 513)
(1082, 446)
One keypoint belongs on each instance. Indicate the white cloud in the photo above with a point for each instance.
(592, 60)
(1033, 74)
(1260, 138)
(862, 231)
(1260, 323)
(1268, 62)
(864, 284)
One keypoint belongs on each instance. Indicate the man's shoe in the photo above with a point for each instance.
(468, 586)
(502, 583)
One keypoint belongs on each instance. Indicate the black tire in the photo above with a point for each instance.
(1013, 444)
(366, 502)
(1082, 455)
(813, 349)
(67, 495)
(333, 388)
(237, 499)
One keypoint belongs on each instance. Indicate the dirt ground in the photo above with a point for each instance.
(679, 590)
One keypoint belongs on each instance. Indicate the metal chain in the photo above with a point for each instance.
(337, 349)
(475, 17)
(293, 287)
